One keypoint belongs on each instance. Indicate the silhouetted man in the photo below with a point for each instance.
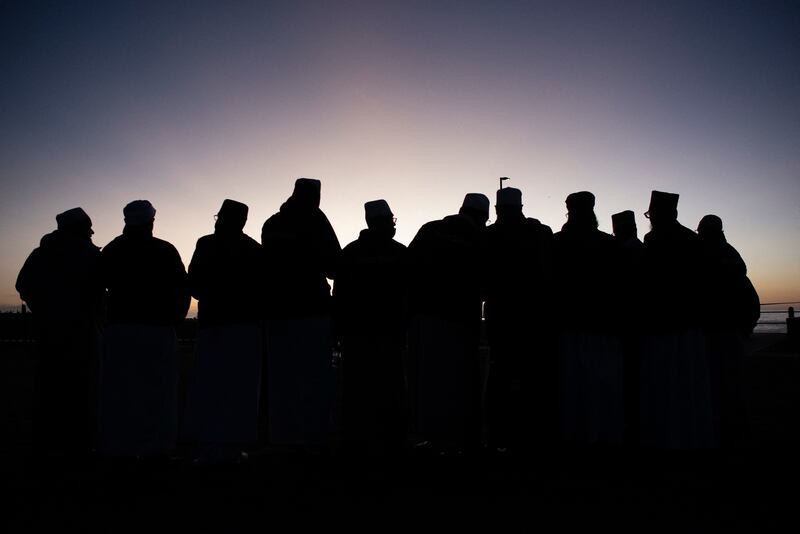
(60, 282)
(302, 252)
(629, 293)
(370, 298)
(590, 352)
(676, 401)
(148, 296)
(225, 278)
(520, 392)
(731, 292)
(447, 269)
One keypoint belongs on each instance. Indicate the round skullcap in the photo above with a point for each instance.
(72, 218)
(377, 208)
(509, 196)
(582, 200)
(139, 212)
(476, 201)
(232, 209)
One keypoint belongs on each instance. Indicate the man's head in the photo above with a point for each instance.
(580, 209)
(624, 224)
(75, 221)
(139, 214)
(509, 203)
(232, 215)
(307, 192)
(476, 207)
(663, 208)
(380, 219)
(710, 228)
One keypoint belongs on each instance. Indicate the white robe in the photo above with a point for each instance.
(224, 386)
(138, 390)
(298, 356)
(676, 392)
(592, 388)
(447, 388)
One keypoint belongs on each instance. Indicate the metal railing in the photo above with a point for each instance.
(774, 319)
(17, 325)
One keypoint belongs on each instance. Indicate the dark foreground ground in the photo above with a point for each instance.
(756, 489)
(756, 493)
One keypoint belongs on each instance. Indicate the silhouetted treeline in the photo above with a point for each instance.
(407, 322)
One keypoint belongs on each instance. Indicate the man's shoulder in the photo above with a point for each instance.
(428, 229)
(274, 219)
(250, 242)
(397, 246)
(352, 247)
(606, 238)
(164, 248)
(538, 226)
(113, 245)
(206, 240)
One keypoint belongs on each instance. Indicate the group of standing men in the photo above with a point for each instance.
(573, 356)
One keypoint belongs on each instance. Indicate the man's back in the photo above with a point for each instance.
(585, 273)
(674, 275)
(370, 289)
(60, 280)
(146, 281)
(225, 277)
(447, 266)
(519, 259)
(301, 250)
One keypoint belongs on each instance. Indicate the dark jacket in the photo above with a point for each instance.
(730, 291)
(146, 280)
(675, 278)
(629, 279)
(585, 278)
(301, 251)
(60, 281)
(519, 273)
(225, 278)
(447, 269)
(370, 289)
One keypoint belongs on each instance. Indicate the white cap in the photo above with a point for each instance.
(476, 201)
(139, 212)
(377, 208)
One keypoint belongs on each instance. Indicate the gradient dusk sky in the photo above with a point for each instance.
(188, 103)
